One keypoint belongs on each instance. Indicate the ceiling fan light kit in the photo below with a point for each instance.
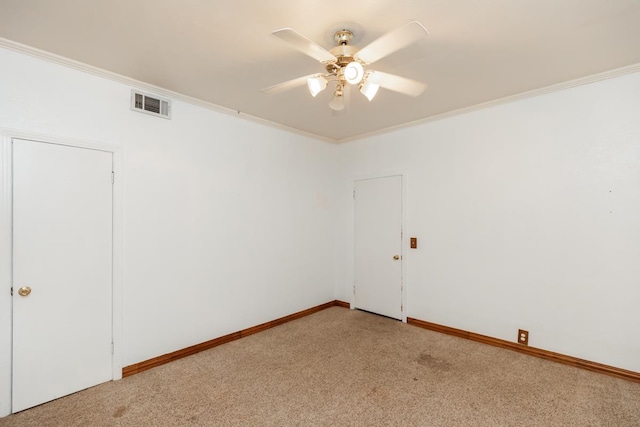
(345, 64)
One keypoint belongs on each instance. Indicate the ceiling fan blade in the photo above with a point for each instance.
(289, 84)
(397, 84)
(304, 45)
(391, 42)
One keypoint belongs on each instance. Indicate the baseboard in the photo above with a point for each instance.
(531, 351)
(342, 304)
(188, 351)
(496, 342)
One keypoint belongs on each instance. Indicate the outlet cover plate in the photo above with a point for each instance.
(523, 337)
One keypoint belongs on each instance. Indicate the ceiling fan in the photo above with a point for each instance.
(345, 64)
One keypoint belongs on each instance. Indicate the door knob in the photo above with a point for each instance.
(24, 291)
(396, 257)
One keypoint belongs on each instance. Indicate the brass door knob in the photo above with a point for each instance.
(24, 291)
(396, 257)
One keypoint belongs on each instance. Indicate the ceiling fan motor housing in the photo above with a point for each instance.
(344, 53)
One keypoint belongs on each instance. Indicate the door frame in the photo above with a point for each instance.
(6, 250)
(351, 236)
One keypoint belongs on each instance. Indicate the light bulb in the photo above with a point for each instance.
(369, 89)
(353, 73)
(316, 84)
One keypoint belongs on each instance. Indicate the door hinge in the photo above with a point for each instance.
(12, 291)
(112, 348)
(113, 177)
(354, 288)
(354, 194)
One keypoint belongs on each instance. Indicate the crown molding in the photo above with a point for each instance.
(96, 71)
(90, 69)
(630, 69)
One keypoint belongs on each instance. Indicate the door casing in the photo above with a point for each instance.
(6, 250)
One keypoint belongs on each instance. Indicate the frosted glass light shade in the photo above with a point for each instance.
(369, 89)
(337, 103)
(353, 73)
(316, 85)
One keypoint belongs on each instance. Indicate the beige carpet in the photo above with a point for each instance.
(343, 367)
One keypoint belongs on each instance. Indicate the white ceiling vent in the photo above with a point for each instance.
(150, 104)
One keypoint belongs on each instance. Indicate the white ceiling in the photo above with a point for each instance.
(223, 52)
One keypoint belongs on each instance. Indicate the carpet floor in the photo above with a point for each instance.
(347, 367)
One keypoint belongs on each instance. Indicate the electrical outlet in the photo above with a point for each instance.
(523, 337)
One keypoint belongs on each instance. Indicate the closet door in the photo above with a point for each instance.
(62, 271)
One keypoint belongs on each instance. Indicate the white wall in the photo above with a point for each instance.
(227, 223)
(527, 215)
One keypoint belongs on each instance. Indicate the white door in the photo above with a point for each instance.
(378, 245)
(62, 252)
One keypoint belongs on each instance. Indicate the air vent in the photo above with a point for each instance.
(150, 104)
